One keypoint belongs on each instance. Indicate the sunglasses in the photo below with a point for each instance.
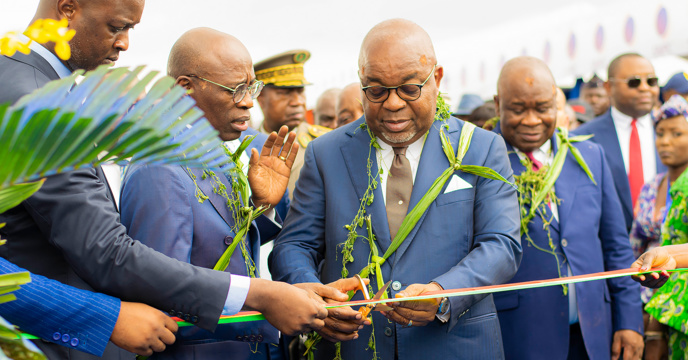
(635, 81)
(407, 92)
(240, 91)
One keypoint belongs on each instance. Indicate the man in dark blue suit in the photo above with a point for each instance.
(581, 232)
(467, 237)
(179, 212)
(626, 132)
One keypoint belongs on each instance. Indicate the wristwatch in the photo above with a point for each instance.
(443, 311)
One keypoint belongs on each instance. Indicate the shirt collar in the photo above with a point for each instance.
(622, 120)
(543, 152)
(412, 152)
(57, 65)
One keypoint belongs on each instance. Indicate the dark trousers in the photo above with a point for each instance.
(576, 345)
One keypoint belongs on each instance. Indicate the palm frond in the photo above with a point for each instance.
(64, 126)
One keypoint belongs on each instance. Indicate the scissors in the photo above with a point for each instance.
(366, 310)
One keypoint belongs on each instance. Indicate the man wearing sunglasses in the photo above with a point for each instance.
(468, 236)
(181, 212)
(626, 132)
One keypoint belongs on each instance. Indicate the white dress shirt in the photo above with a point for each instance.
(646, 133)
(545, 155)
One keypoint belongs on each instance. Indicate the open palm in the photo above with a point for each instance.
(268, 173)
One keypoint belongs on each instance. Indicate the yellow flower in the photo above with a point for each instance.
(44, 30)
(10, 44)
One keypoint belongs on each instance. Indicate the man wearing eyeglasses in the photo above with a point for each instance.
(625, 131)
(182, 213)
(468, 236)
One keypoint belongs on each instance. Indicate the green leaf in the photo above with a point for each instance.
(464, 141)
(447, 147)
(485, 172)
(14, 194)
(579, 158)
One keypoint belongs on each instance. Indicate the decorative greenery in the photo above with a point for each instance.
(238, 202)
(536, 190)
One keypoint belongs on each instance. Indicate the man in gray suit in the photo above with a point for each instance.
(70, 230)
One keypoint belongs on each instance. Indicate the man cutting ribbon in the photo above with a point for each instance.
(379, 171)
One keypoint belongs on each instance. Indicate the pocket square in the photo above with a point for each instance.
(457, 183)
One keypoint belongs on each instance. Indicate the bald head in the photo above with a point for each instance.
(206, 62)
(323, 113)
(398, 52)
(205, 52)
(526, 103)
(526, 70)
(400, 39)
(349, 104)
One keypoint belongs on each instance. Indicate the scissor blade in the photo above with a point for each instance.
(382, 291)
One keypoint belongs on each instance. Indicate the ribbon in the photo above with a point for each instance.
(248, 316)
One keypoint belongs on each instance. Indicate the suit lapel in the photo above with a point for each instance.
(432, 164)
(355, 153)
(206, 186)
(607, 137)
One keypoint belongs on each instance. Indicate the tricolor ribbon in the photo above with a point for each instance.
(248, 316)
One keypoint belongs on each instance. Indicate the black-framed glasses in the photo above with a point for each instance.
(407, 92)
(240, 91)
(635, 81)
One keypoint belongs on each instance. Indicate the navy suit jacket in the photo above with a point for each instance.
(591, 235)
(605, 135)
(159, 207)
(466, 238)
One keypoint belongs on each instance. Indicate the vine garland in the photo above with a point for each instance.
(536, 190)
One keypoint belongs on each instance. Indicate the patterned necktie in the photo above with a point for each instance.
(399, 188)
(635, 163)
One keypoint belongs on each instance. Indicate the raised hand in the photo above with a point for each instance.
(142, 329)
(415, 313)
(288, 308)
(268, 173)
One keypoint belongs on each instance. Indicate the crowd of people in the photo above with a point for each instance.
(377, 186)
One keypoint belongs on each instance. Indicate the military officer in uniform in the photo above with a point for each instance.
(283, 101)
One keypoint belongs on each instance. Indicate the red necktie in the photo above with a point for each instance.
(536, 164)
(635, 163)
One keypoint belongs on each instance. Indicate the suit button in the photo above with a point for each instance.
(259, 338)
(194, 319)
(187, 317)
(173, 313)
(388, 331)
(246, 337)
(65, 338)
(57, 336)
(239, 338)
(252, 338)
(228, 240)
(564, 243)
(74, 342)
(396, 286)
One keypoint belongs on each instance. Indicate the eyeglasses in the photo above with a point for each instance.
(635, 81)
(407, 92)
(241, 90)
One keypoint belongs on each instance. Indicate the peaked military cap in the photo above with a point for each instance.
(283, 70)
